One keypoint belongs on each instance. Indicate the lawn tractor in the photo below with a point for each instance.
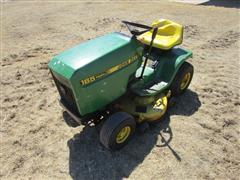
(118, 82)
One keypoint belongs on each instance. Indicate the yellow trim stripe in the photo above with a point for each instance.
(111, 70)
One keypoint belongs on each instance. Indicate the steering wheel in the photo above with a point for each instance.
(136, 32)
(132, 28)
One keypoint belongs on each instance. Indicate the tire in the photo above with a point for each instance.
(113, 126)
(69, 120)
(185, 70)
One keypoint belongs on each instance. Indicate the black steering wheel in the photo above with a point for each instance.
(135, 32)
(132, 28)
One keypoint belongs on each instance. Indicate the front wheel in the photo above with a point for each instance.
(117, 130)
(182, 79)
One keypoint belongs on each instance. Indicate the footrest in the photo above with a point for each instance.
(152, 90)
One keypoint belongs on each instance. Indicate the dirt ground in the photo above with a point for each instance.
(198, 138)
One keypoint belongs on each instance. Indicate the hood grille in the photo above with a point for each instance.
(67, 95)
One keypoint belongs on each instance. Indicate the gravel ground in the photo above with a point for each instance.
(198, 138)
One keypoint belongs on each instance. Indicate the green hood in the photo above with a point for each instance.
(67, 62)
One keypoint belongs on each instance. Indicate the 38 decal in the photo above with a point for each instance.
(109, 71)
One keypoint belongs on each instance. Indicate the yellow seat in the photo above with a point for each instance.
(169, 34)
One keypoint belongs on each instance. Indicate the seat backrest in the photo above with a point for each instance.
(160, 22)
(169, 34)
(168, 28)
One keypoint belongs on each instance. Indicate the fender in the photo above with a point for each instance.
(169, 64)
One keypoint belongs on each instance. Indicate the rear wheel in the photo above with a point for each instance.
(182, 79)
(117, 130)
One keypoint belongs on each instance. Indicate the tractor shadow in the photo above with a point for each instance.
(88, 159)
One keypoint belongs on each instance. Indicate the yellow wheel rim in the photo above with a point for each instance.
(123, 134)
(185, 81)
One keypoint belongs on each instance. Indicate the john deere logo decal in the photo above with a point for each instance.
(109, 71)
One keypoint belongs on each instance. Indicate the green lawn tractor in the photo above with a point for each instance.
(118, 81)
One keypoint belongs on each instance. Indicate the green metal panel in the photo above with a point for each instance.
(91, 59)
(170, 62)
(67, 62)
